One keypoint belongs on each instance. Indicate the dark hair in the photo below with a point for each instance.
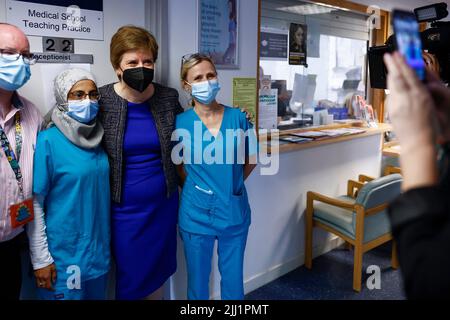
(277, 85)
(294, 27)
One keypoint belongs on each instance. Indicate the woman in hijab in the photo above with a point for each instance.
(70, 236)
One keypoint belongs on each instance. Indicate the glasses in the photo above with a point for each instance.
(196, 56)
(190, 56)
(81, 95)
(9, 55)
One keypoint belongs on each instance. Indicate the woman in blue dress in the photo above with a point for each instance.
(218, 146)
(70, 236)
(139, 116)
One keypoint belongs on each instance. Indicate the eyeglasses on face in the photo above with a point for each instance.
(81, 95)
(10, 55)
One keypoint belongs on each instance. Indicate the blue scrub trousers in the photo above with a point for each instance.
(198, 249)
(94, 289)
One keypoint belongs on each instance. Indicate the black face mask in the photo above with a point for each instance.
(138, 78)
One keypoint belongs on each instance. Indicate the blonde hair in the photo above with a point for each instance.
(350, 100)
(190, 62)
(129, 38)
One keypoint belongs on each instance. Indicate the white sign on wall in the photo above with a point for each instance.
(67, 18)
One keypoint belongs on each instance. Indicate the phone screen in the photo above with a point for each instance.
(409, 44)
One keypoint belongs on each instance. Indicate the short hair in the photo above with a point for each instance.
(129, 38)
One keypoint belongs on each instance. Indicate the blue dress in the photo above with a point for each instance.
(144, 225)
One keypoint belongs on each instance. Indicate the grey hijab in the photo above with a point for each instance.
(86, 136)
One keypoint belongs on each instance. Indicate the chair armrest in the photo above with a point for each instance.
(314, 196)
(351, 186)
(390, 144)
(391, 169)
(375, 210)
(364, 178)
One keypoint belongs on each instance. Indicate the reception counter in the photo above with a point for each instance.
(288, 147)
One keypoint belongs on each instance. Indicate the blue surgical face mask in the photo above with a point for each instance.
(83, 111)
(13, 74)
(205, 92)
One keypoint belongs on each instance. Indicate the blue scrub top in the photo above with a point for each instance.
(214, 198)
(75, 184)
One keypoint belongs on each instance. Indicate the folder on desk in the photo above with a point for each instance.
(294, 138)
(311, 135)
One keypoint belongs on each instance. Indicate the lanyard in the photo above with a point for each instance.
(10, 155)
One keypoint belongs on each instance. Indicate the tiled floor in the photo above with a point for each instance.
(331, 278)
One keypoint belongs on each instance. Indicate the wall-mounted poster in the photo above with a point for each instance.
(218, 31)
(77, 19)
(273, 45)
(297, 44)
(245, 94)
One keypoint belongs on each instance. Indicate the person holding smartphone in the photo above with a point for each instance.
(420, 217)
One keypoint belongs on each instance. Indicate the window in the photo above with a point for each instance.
(337, 42)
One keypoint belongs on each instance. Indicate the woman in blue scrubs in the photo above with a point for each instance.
(218, 153)
(70, 236)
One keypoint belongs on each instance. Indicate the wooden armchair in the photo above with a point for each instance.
(358, 217)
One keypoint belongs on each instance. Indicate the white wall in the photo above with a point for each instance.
(183, 39)
(116, 13)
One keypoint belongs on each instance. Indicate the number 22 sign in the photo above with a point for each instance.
(62, 45)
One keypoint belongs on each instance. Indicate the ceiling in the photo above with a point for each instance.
(301, 7)
(401, 4)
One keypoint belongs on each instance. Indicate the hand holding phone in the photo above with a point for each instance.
(408, 41)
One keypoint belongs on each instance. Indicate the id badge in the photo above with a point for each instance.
(21, 213)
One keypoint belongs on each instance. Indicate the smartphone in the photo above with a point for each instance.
(408, 42)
